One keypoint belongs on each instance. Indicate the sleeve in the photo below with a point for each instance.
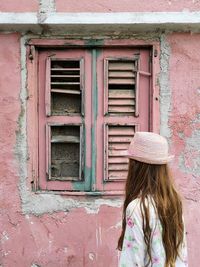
(133, 250)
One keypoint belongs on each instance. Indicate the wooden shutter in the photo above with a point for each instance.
(125, 111)
(65, 112)
(121, 86)
(117, 139)
(64, 86)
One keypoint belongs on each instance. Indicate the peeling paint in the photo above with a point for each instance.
(189, 159)
(4, 237)
(35, 265)
(165, 93)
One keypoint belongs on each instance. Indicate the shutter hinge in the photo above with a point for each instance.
(155, 52)
(31, 52)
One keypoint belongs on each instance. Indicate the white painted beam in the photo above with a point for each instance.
(100, 21)
(8, 18)
(124, 18)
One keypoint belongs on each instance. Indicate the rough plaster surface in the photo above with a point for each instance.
(184, 126)
(45, 7)
(165, 91)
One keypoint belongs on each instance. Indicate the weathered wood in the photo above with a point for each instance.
(124, 109)
(120, 139)
(66, 103)
(68, 83)
(121, 130)
(121, 102)
(118, 146)
(117, 174)
(65, 76)
(118, 167)
(121, 65)
(66, 91)
(65, 139)
(114, 153)
(117, 160)
(119, 81)
(121, 74)
(120, 93)
(64, 69)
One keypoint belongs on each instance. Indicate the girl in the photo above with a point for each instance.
(152, 228)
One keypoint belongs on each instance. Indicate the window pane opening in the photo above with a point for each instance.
(65, 152)
(65, 87)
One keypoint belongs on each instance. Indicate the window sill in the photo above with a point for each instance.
(78, 193)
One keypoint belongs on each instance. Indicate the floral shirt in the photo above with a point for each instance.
(134, 252)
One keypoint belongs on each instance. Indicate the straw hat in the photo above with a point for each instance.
(149, 148)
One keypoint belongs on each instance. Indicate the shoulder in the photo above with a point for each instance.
(135, 209)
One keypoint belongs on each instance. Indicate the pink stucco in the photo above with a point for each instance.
(185, 127)
(62, 239)
(19, 5)
(126, 6)
(76, 238)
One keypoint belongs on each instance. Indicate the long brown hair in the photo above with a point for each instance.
(145, 180)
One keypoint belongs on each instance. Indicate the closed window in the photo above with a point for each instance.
(90, 101)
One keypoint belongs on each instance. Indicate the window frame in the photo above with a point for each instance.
(32, 104)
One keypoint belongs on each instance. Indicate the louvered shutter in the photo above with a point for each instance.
(121, 91)
(62, 106)
(118, 138)
(64, 86)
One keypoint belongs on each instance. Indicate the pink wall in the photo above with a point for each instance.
(61, 239)
(19, 6)
(126, 6)
(78, 238)
(185, 127)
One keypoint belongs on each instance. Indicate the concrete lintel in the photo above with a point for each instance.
(135, 21)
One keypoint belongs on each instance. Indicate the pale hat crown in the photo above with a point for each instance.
(150, 148)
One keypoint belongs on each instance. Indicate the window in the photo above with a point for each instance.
(90, 102)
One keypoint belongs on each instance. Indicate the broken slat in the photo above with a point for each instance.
(65, 139)
(65, 69)
(65, 76)
(67, 83)
(65, 91)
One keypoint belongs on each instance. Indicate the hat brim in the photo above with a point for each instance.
(165, 160)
